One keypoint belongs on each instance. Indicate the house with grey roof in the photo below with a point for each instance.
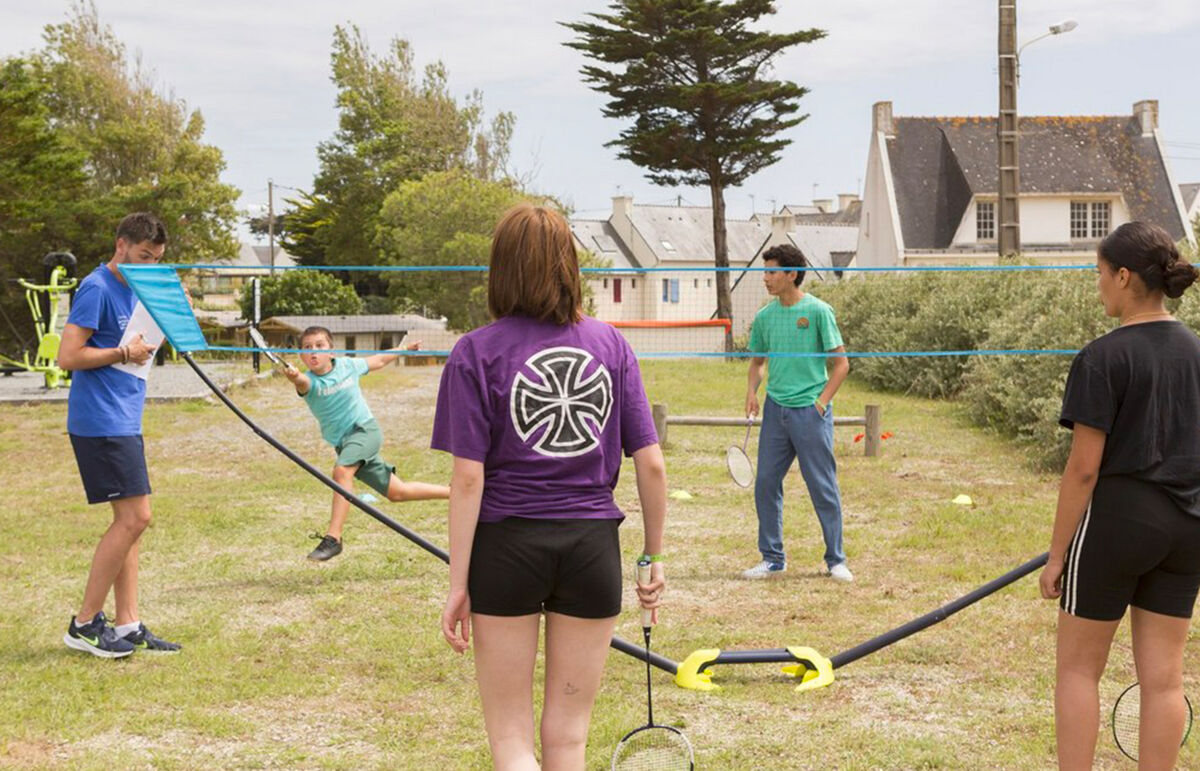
(931, 186)
(636, 237)
(223, 287)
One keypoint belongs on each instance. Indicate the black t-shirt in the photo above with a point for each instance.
(1140, 384)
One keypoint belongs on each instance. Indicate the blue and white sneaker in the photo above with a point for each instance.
(98, 638)
(765, 569)
(142, 639)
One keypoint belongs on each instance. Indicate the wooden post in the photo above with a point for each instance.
(659, 411)
(874, 421)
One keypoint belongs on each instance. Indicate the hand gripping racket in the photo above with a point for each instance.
(260, 342)
(652, 747)
(1126, 715)
(740, 467)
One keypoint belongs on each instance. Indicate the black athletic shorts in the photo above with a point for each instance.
(112, 467)
(521, 566)
(1134, 546)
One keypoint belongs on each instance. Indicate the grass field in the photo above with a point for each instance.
(289, 664)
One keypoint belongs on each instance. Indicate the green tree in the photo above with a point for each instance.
(301, 293)
(444, 218)
(694, 77)
(41, 179)
(394, 125)
(144, 148)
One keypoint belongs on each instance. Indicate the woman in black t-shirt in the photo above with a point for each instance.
(1127, 527)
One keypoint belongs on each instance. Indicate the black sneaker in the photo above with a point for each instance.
(328, 548)
(142, 639)
(98, 638)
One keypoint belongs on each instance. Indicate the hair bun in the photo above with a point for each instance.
(1178, 275)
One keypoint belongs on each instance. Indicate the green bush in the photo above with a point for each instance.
(301, 293)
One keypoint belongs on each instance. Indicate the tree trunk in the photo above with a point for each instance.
(721, 259)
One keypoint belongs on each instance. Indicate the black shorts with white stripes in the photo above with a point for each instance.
(1134, 546)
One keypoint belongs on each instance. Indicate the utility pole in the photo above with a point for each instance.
(1008, 135)
(271, 222)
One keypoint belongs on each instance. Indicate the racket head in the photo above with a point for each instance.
(741, 470)
(1126, 716)
(654, 748)
(260, 342)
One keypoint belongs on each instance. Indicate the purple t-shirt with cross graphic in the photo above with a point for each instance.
(548, 410)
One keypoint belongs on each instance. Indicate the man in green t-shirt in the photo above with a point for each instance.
(797, 421)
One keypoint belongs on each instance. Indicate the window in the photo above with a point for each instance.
(606, 283)
(985, 220)
(695, 283)
(708, 283)
(350, 346)
(633, 283)
(1090, 219)
(616, 290)
(670, 290)
(1100, 219)
(385, 343)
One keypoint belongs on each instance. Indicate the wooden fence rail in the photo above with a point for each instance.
(871, 421)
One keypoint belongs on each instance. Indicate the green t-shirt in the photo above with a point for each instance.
(805, 327)
(335, 399)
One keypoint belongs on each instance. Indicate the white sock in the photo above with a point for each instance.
(125, 629)
(81, 622)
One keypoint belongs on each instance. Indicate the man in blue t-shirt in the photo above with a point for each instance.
(104, 420)
(797, 421)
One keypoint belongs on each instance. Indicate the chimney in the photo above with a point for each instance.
(825, 205)
(781, 225)
(845, 199)
(622, 205)
(1146, 111)
(881, 118)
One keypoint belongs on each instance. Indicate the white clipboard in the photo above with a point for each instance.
(141, 323)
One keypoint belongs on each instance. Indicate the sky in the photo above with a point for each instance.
(259, 74)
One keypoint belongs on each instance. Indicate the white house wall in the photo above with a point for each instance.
(878, 242)
(1045, 219)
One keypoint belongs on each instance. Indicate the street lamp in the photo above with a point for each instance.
(1063, 27)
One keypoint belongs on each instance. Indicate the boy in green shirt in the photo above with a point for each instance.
(331, 391)
(797, 419)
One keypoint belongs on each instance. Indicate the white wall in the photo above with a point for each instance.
(878, 237)
(1045, 219)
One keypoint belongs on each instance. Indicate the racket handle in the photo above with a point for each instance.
(643, 577)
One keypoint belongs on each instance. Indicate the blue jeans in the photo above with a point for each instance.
(788, 434)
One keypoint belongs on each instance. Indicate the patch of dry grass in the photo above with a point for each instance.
(294, 665)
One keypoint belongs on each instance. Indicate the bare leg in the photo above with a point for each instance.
(1082, 654)
(344, 476)
(576, 649)
(1158, 643)
(505, 651)
(399, 490)
(130, 518)
(125, 588)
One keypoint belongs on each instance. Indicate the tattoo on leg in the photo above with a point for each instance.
(570, 690)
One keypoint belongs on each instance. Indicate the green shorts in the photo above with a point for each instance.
(361, 448)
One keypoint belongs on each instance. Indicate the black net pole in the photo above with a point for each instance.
(620, 644)
(942, 613)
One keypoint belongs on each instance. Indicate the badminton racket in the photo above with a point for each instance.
(1126, 716)
(260, 342)
(652, 747)
(740, 467)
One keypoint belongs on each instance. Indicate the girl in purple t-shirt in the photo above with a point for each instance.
(537, 409)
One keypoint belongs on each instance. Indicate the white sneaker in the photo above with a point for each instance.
(765, 569)
(840, 572)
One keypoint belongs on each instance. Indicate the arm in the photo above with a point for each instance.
(754, 379)
(74, 353)
(1074, 492)
(298, 378)
(466, 491)
(838, 368)
(381, 360)
(651, 472)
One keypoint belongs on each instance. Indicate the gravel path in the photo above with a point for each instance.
(170, 382)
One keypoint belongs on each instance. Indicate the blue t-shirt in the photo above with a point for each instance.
(104, 401)
(335, 399)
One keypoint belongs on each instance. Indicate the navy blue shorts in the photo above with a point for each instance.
(521, 566)
(1134, 546)
(112, 467)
